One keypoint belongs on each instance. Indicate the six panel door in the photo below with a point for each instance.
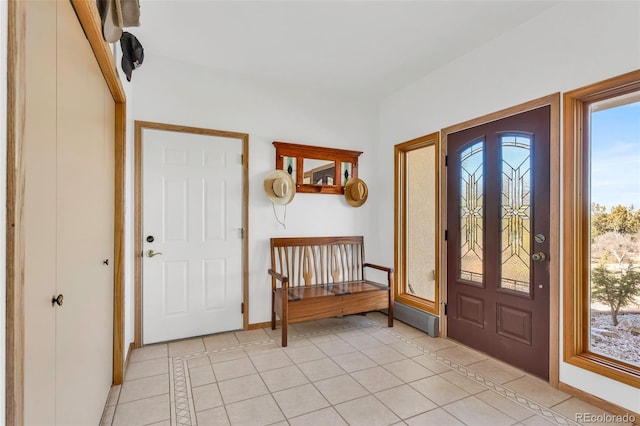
(192, 236)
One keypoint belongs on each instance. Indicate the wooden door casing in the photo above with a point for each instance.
(510, 325)
(243, 139)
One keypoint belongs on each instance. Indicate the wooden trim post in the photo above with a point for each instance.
(16, 108)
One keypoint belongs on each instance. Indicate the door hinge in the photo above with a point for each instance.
(446, 234)
(241, 233)
(242, 308)
(445, 309)
(446, 160)
(242, 159)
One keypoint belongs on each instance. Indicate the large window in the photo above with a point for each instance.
(602, 228)
(416, 163)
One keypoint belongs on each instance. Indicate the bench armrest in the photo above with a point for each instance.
(378, 267)
(279, 277)
(389, 272)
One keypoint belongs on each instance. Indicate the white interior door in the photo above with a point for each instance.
(192, 219)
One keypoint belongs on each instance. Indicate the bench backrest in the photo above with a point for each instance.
(318, 260)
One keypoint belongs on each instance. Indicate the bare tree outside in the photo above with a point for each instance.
(617, 289)
(614, 191)
(615, 277)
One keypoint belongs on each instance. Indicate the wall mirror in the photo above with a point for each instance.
(317, 169)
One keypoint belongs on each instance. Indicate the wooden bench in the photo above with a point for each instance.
(322, 277)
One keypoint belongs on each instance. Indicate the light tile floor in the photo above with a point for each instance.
(339, 371)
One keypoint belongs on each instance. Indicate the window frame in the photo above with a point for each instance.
(576, 217)
(400, 207)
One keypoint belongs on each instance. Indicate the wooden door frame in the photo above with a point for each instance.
(89, 19)
(401, 187)
(553, 101)
(137, 212)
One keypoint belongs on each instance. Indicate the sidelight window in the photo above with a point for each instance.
(416, 223)
(602, 227)
(614, 168)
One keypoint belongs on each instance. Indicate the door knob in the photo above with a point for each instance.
(539, 257)
(59, 299)
(151, 253)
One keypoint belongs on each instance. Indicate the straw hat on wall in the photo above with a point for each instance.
(356, 192)
(279, 187)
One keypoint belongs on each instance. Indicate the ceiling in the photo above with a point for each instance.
(361, 47)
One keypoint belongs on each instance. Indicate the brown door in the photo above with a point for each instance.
(497, 245)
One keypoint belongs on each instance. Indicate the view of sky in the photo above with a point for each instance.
(615, 156)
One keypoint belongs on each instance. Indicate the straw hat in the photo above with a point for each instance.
(279, 187)
(356, 192)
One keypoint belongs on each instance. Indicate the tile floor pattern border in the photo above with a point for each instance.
(489, 384)
(183, 411)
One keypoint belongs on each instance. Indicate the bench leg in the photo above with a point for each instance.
(391, 293)
(273, 310)
(284, 318)
(284, 334)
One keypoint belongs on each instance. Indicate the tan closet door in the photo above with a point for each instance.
(69, 194)
(85, 229)
(40, 213)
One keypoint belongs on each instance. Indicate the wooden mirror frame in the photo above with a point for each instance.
(302, 152)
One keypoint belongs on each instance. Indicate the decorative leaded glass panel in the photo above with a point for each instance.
(516, 213)
(345, 172)
(289, 165)
(472, 212)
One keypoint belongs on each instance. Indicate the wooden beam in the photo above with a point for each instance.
(89, 18)
(118, 244)
(16, 90)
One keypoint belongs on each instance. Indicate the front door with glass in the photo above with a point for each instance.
(498, 246)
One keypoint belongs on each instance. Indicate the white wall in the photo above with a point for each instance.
(174, 92)
(3, 194)
(566, 47)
